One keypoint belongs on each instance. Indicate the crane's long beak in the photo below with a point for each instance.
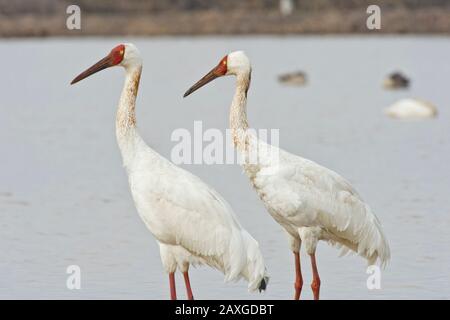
(210, 76)
(104, 63)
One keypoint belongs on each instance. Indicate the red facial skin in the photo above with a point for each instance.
(222, 67)
(117, 54)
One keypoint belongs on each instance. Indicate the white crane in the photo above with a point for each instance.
(190, 220)
(309, 201)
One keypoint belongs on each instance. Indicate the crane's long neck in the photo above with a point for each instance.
(126, 117)
(238, 112)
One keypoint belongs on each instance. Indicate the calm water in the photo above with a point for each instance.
(64, 196)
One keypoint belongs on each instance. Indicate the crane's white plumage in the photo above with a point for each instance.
(308, 200)
(179, 209)
(176, 257)
(190, 220)
(314, 203)
(311, 202)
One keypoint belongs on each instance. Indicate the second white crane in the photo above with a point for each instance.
(309, 201)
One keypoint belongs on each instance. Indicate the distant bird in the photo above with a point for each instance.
(396, 80)
(295, 78)
(411, 109)
(190, 220)
(309, 201)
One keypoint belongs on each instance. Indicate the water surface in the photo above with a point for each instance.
(64, 197)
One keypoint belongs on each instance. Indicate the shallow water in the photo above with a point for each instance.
(64, 196)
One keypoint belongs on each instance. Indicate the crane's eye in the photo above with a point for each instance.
(121, 52)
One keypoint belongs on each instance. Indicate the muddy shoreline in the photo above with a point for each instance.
(433, 20)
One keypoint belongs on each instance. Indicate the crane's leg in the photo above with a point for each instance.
(190, 296)
(173, 289)
(298, 276)
(315, 285)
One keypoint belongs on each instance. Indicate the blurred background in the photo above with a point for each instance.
(27, 18)
(319, 75)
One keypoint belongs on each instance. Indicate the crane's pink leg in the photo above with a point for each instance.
(190, 296)
(298, 277)
(173, 289)
(315, 285)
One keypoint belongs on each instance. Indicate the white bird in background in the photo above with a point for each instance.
(190, 220)
(309, 201)
(411, 109)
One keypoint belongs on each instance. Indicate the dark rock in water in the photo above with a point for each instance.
(295, 78)
(396, 80)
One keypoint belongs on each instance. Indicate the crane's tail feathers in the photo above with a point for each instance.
(235, 260)
(373, 244)
(244, 260)
(255, 269)
(368, 241)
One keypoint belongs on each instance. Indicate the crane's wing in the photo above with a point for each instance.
(189, 214)
(300, 187)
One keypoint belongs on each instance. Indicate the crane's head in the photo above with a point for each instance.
(124, 55)
(235, 63)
